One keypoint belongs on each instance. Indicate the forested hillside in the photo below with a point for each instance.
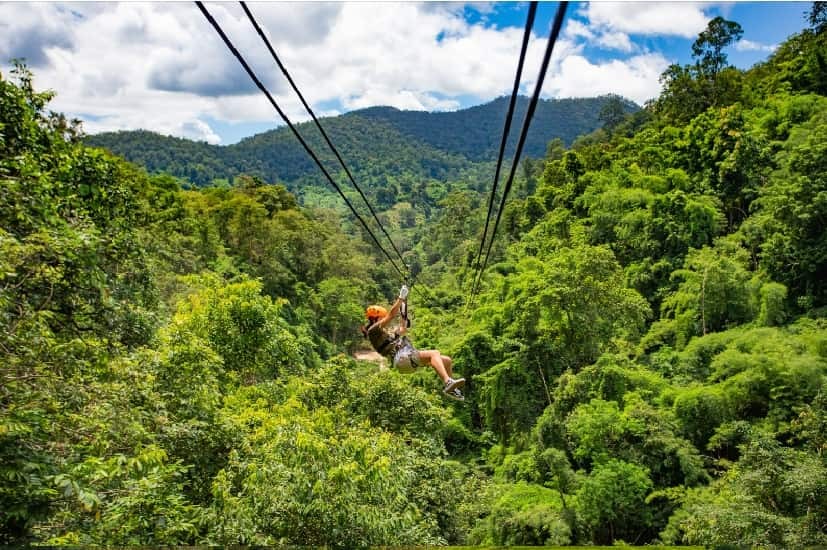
(475, 133)
(375, 142)
(646, 360)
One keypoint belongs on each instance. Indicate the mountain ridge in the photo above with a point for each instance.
(425, 144)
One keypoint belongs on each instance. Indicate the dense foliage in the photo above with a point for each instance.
(646, 363)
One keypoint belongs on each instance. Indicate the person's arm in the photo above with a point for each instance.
(385, 321)
(403, 295)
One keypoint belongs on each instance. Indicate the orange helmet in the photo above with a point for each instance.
(376, 312)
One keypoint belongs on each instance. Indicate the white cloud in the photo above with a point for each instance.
(615, 41)
(750, 46)
(610, 25)
(162, 67)
(401, 99)
(28, 30)
(458, 8)
(577, 29)
(635, 72)
(685, 19)
(199, 131)
(294, 22)
(635, 78)
(146, 65)
(597, 35)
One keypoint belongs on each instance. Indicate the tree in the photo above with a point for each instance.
(715, 292)
(613, 112)
(525, 514)
(573, 302)
(818, 17)
(611, 502)
(336, 307)
(304, 477)
(775, 495)
(598, 429)
(700, 411)
(789, 214)
(708, 48)
(691, 89)
(681, 96)
(248, 331)
(160, 371)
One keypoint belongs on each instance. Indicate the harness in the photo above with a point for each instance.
(403, 310)
(388, 343)
(384, 342)
(391, 343)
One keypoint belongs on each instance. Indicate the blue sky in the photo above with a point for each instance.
(766, 23)
(161, 67)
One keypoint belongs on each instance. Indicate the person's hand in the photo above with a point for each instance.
(403, 292)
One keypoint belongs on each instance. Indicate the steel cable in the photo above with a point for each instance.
(319, 126)
(532, 106)
(296, 133)
(529, 24)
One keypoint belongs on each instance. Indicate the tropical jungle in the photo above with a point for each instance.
(646, 359)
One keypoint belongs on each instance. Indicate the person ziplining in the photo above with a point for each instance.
(395, 345)
(398, 348)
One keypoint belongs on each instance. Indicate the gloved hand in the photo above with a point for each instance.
(403, 292)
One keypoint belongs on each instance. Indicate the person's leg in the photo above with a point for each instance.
(435, 359)
(448, 365)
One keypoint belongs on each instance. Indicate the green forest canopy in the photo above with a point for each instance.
(647, 362)
(378, 142)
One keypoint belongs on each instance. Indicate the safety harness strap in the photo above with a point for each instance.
(403, 311)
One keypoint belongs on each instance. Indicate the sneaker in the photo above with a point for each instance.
(455, 394)
(453, 384)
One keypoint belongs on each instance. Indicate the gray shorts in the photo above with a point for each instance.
(407, 359)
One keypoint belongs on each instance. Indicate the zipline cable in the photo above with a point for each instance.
(529, 24)
(283, 116)
(532, 106)
(319, 126)
(327, 139)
